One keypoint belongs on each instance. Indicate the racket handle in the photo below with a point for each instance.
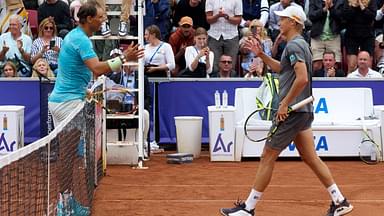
(302, 103)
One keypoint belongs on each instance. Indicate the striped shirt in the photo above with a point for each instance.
(222, 27)
(50, 55)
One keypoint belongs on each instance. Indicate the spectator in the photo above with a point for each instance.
(255, 9)
(274, 19)
(278, 46)
(47, 45)
(257, 68)
(225, 67)
(379, 21)
(224, 18)
(363, 70)
(359, 16)
(41, 69)
(194, 9)
(31, 4)
(326, 26)
(199, 58)
(256, 30)
(16, 46)
(158, 55)
(157, 12)
(124, 18)
(9, 70)
(179, 40)
(59, 10)
(379, 53)
(329, 66)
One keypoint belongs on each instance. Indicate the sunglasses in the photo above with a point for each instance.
(186, 26)
(226, 62)
(255, 26)
(48, 28)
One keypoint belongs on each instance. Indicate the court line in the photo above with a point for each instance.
(218, 200)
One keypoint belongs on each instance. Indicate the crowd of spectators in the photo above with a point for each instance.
(204, 38)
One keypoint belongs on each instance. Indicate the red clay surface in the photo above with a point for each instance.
(203, 187)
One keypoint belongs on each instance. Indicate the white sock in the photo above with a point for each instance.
(335, 193)
(253, 197)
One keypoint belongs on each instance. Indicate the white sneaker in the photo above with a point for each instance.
(105, 30)
(123, 28)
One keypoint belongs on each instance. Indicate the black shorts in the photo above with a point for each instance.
(352, 45)
(288, 129)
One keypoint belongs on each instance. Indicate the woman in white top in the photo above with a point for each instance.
(158, 55)
(198, 58)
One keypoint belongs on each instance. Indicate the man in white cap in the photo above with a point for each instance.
(295, 85)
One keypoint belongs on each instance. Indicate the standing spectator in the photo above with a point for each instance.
(9, 70)
(59, 10)
(179, 40)
(225, 67)
(359, 35)
(329, 66)
(47, 45)
(224, 18)
(326, 26)
(158, 55)
(199, 58)
(16, 46)
(157, 12)
(274, 19)
(41, 69)
(191, 8)
(379, 21)
(379, 53)
(124, 18)
(363, 70)
(255, 9)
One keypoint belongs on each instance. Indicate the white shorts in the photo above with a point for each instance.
(60, 111)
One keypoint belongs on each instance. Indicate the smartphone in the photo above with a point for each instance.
(51, 44)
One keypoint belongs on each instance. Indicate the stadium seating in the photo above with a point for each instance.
(33, 22)
(337, 130)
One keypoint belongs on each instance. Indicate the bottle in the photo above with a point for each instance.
(222, 123)
(5, 122)
(225, 99)
(217, 99)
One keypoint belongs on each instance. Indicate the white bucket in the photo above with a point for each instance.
(188, 134)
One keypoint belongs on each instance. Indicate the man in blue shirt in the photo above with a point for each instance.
(78, 61)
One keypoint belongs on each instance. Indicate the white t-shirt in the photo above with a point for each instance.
(371, 74)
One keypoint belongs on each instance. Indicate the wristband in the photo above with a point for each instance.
(123, 59)
(115, 63)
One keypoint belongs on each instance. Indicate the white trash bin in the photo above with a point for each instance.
(188, 134)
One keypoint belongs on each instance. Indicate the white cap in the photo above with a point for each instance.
(294, 12)
(115, 51)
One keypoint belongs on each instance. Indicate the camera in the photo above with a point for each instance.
(51, 44)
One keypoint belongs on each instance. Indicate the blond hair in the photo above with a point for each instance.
(44, 22)
(35, 67)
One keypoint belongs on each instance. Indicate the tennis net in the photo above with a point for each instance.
(55, 175)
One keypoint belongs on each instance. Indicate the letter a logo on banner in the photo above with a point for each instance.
(220, 145)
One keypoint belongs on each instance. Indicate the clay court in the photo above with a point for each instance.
(202, 187)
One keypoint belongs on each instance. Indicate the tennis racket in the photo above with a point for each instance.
(369, 150)
(276, 124)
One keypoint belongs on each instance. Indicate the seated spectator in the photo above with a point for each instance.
(258, 9)
(199, 58)
(16, 46)
(256, 30)
(41, 69)
(9, 70)
(257, 68)
(326, 26)
(124, 18)
(225, 67)
(47, 45)
(379, 53)
(158, 12)
(363, 70)
(179, 40)
(329, 67)
(59, 10)
(13, 7)
(194, 9)
(158, 55)
(359, 36)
